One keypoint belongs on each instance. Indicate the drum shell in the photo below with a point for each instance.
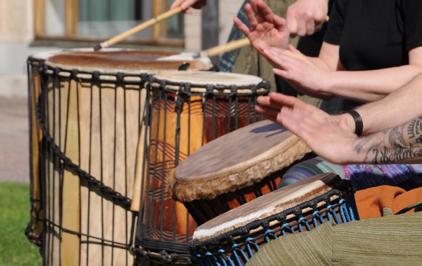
(89, 119)
(92, 123)
(182, 120)
(35, 226)
(240, 244)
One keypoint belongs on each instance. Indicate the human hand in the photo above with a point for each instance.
(322, 132)
(299, 71)
(267, 30)
(187, 4)
(305, 17)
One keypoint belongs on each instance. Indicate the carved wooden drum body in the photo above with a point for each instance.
(235, 169)
(187, 110)
(90, 110)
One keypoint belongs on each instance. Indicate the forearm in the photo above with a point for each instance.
(395, 109)
(369, 85)
(401, 144)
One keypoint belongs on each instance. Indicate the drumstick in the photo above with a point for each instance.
(140, 27)
(221, 49)
(140, 173)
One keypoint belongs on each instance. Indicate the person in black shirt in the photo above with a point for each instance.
(371, 48)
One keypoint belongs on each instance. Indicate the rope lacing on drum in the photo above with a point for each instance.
(86, 179)
(120, 79)
(317, 218)
(251, 244)
(302, 221)
(301, 218)
(236, 250)
(286, 226)
(269, 235)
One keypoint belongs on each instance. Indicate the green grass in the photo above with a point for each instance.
(15, 249)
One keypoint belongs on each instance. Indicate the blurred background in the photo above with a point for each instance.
(31, 26)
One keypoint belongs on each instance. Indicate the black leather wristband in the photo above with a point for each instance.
(358, 122)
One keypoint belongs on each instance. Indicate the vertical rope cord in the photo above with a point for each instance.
(46, 115)
(53, 207)
(163, 170)
(113, 221)
(79, 156)
(120, 79)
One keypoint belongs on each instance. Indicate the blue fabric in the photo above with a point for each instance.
(228, 59)
(361, 175)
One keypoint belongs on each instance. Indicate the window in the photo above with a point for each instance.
(100, 19)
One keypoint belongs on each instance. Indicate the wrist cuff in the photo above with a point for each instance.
(358, 122)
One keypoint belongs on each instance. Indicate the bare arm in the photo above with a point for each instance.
(391, 111)
(338, 144)
(324, 75)
(401, 144)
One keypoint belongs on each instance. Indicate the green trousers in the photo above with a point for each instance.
(390, 240)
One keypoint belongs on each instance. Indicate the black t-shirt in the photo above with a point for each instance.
(375, 34)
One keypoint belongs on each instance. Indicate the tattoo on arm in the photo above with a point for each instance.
(395, 145)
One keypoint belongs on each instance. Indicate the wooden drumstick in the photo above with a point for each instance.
(140, 173)
(221, 49)
(140, 27)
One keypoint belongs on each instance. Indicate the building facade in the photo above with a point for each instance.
(31, 26)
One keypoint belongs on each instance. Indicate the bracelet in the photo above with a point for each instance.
(358, 122)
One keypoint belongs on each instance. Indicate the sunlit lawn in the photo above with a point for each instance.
(15, 249)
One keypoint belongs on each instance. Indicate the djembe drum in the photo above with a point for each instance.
(235, 169)
(233, 237)
(187, 110)
(90, 111)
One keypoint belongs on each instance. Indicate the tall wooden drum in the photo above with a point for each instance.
(187, 110)
(90, 112)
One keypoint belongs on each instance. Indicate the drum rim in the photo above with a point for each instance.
(341, 187)
(242, 174)
(261, 87)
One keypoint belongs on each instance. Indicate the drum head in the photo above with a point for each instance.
(206, 78)
(114, 60)
(267, 205)
(236, 160)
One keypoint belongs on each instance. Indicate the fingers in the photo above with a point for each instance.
(268, 113)
(176, 3)
(186, 4)
(242, 27)
(310, 28)
(279, 22)
(250, 13)
(266, 103)
(265, 11)
(291, 22)
(301, 27)
(284, 100)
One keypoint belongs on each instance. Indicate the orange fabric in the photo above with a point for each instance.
(371, 202)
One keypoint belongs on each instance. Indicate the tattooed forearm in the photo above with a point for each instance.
(395, 145)
(414, 130)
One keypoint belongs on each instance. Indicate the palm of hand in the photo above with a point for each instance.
(265, 36)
